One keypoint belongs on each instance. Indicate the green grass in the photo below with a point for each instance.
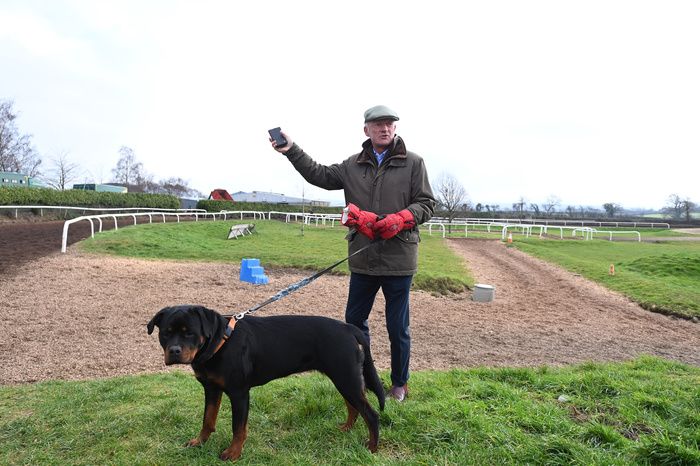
(276, 244)
(645, 411)
(661, 276)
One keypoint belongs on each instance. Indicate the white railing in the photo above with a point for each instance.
(305, 217)
(91, 218)
(611, 233)
(526, 228)
(430, 226)
(550, 222)
(587, 233)
(256, 214)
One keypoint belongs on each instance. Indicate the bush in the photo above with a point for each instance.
(82, 198)
(218, 205)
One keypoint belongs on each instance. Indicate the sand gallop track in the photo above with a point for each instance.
(78, 316)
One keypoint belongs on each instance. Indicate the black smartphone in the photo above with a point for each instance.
(276, 135)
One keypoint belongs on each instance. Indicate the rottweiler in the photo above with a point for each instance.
(231, 357)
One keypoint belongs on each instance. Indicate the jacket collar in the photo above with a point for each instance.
(396, 150)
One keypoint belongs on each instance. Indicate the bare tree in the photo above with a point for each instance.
(128, 171)
(674, 206)
(176, 187)
(16, 151)
(551, 205)
(519, 206)
(61, 172)
(535, 209)
(451, 195)
(688, 207)
(612, 208)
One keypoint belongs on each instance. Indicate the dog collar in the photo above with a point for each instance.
(227, 334)
(229, 329)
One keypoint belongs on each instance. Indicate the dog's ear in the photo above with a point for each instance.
(156, 319)
(212, 325)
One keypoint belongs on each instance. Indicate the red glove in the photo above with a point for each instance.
(363, 220)
(392, 224)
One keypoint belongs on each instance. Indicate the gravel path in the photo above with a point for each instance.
(79, 316)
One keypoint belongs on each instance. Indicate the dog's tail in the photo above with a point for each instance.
(369, 372)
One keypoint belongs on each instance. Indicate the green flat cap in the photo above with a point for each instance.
(380, 112)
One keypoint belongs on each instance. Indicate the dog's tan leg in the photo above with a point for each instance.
(373, 428)
(212, 400)
(352, 417)
(233, 452)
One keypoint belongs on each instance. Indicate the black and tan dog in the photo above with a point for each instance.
(231, 357)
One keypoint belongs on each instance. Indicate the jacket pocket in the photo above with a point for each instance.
(409, 236)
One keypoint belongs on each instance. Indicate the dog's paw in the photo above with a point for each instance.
(345, 427)
(230, 454)
(371, 446)
(195, 442)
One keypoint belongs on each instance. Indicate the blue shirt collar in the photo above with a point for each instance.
(380, 156)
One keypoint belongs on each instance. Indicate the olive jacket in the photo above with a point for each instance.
(400, 182)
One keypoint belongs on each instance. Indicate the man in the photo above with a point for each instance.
(388, 195)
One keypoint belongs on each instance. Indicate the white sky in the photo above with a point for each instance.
(592, 102)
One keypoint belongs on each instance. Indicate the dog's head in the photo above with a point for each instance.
(188, 333)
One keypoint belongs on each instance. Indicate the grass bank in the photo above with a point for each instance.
(645, 411)
(276, 244)
(660, 276)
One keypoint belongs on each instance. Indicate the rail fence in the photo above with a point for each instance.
(115, 216)
(554, 222)
(475, 224)
(587, 233)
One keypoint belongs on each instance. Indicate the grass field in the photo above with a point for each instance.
(645, 411)
(661, 276)
(276, 244)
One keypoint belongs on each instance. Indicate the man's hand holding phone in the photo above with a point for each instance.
(279, 140)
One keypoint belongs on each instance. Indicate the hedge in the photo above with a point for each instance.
(83, 198)
(218, 205)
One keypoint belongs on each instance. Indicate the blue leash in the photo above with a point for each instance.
(294, 286)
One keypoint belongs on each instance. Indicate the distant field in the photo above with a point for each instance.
(661, 276)
(666, 218)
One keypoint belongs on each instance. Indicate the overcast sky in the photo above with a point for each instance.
(591, 102)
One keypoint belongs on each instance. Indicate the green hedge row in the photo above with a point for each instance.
(216, 206)
(81, 198)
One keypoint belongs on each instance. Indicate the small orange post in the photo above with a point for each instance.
(612, 269)
(510, 238)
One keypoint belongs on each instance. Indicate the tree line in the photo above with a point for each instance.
(453, 202)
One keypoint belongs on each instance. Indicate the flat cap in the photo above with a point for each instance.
(380, 112)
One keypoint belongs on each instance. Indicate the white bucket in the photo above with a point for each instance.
(483, 293)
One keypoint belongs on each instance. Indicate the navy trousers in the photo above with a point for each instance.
(363, 290)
